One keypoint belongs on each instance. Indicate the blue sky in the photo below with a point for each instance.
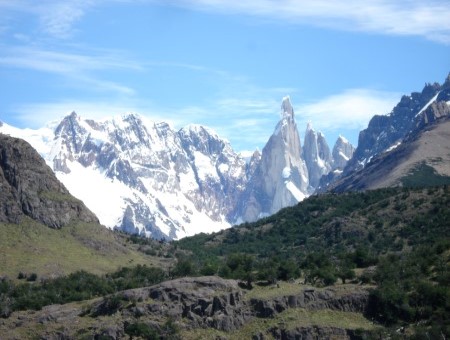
(222, 63)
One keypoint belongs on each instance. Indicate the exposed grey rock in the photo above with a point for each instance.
(30, 188)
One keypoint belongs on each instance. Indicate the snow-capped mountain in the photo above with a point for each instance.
(144, 177)
(279, 176)
(396, 144)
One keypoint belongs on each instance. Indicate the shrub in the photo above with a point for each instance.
(142, 330)
(32, 277)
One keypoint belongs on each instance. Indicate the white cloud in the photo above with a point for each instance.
(351, 109)
(394, 17)
(58, 18)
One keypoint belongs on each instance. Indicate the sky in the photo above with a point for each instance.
(225, 64)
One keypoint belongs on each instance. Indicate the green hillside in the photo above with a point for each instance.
(397, 239)
(393, 244)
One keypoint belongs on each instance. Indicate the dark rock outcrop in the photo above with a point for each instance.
(203, 301)
(28, 187)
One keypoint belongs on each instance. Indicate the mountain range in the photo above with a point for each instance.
(146, 178)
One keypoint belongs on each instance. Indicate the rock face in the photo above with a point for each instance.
(191, 303)
(205, 302)
(28, 187)
(280, 178)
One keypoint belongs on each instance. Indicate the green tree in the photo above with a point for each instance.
(184, 267)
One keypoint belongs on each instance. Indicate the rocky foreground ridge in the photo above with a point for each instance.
(190, 304)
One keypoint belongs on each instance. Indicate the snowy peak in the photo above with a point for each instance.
(287, 111)
(342, 152)
(278, 177)
(317, 155)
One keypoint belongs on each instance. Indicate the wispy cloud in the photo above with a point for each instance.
(56, 19)
(351, 109)
(394, 17)
(74, 66)
(428, 19)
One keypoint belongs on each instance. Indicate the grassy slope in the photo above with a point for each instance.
(34, 248)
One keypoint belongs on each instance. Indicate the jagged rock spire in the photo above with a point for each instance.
(287, 111)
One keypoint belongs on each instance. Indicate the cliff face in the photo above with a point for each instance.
(28, 187)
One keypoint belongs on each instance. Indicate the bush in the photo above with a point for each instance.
(32, 277)
(139, 329)
(184, 267)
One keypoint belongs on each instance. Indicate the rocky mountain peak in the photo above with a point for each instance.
(317, 155)
(447, 82)
(342, 152)
(280, 178)
(287, 111)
